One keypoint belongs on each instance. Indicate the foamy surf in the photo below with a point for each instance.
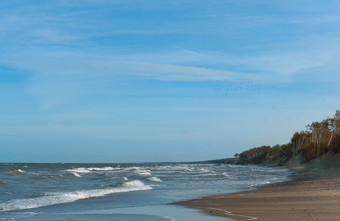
(102, 168)
(78, 170)
(73, 174)
(17, 171)
(60, 197)
(155, 179)
(44, 185)
(90, 169)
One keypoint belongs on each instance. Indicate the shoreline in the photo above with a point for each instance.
(312, 194)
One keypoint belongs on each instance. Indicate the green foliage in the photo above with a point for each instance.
(319, 138)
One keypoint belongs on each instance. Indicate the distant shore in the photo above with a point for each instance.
(312, 194)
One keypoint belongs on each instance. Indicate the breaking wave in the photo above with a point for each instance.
(139, 171)
(17, 171)
(78, 170)
(155, 179)
(102, 168)
(73, 174)
(68, 197)
(90, 169)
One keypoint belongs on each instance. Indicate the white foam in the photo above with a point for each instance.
(224, 174)
(188, 169)
(78, 170)
(155, 179)
(102, 168)
(90, 169)
(204, 170)
(60, 197)
(134, 183)
(184, 167)
(74, 174)
(17, 171)
(140, 171)
(144, 172)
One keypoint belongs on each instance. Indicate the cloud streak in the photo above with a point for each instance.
(103, 71)
(54, 44)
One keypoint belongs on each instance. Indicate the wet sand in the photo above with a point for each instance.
(312, 194)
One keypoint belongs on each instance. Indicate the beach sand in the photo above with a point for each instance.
(312, 194)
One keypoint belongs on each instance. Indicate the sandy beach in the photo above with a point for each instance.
(312, 194)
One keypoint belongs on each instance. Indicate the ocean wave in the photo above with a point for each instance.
(143, 172)
(17, 171)
(73, 174)
(202, 170)
(155, 179)
(102, 168)
(177, 168)
(225, 174)
(78, 170)
(90, 169)
(37, 195)
(134, 183)
(68, 197)
(188, 169)
(260, 183)
(44, 177)
(139, 171)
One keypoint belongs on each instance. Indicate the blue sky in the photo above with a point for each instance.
(137, 81)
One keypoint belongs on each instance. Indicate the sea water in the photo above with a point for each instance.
(120, 191)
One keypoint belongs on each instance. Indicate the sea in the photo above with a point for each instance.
(142, 192)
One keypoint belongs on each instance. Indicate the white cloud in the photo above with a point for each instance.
(63, 72)
(279, 64)
(49, 35)
(153, 67)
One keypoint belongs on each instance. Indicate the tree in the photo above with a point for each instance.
(320, 135)
(334, 126)
(297, 141)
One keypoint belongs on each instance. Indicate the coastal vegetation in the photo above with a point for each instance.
(318, 139)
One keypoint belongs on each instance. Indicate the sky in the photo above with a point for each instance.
(149, 81)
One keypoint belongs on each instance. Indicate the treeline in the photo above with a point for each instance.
(319, 138)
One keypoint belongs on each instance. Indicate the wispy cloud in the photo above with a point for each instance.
(67, 53)
(163, 70)
(181, 64)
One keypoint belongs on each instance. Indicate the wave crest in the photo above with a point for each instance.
(17, 171)
(60, 197)
(155, 179)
